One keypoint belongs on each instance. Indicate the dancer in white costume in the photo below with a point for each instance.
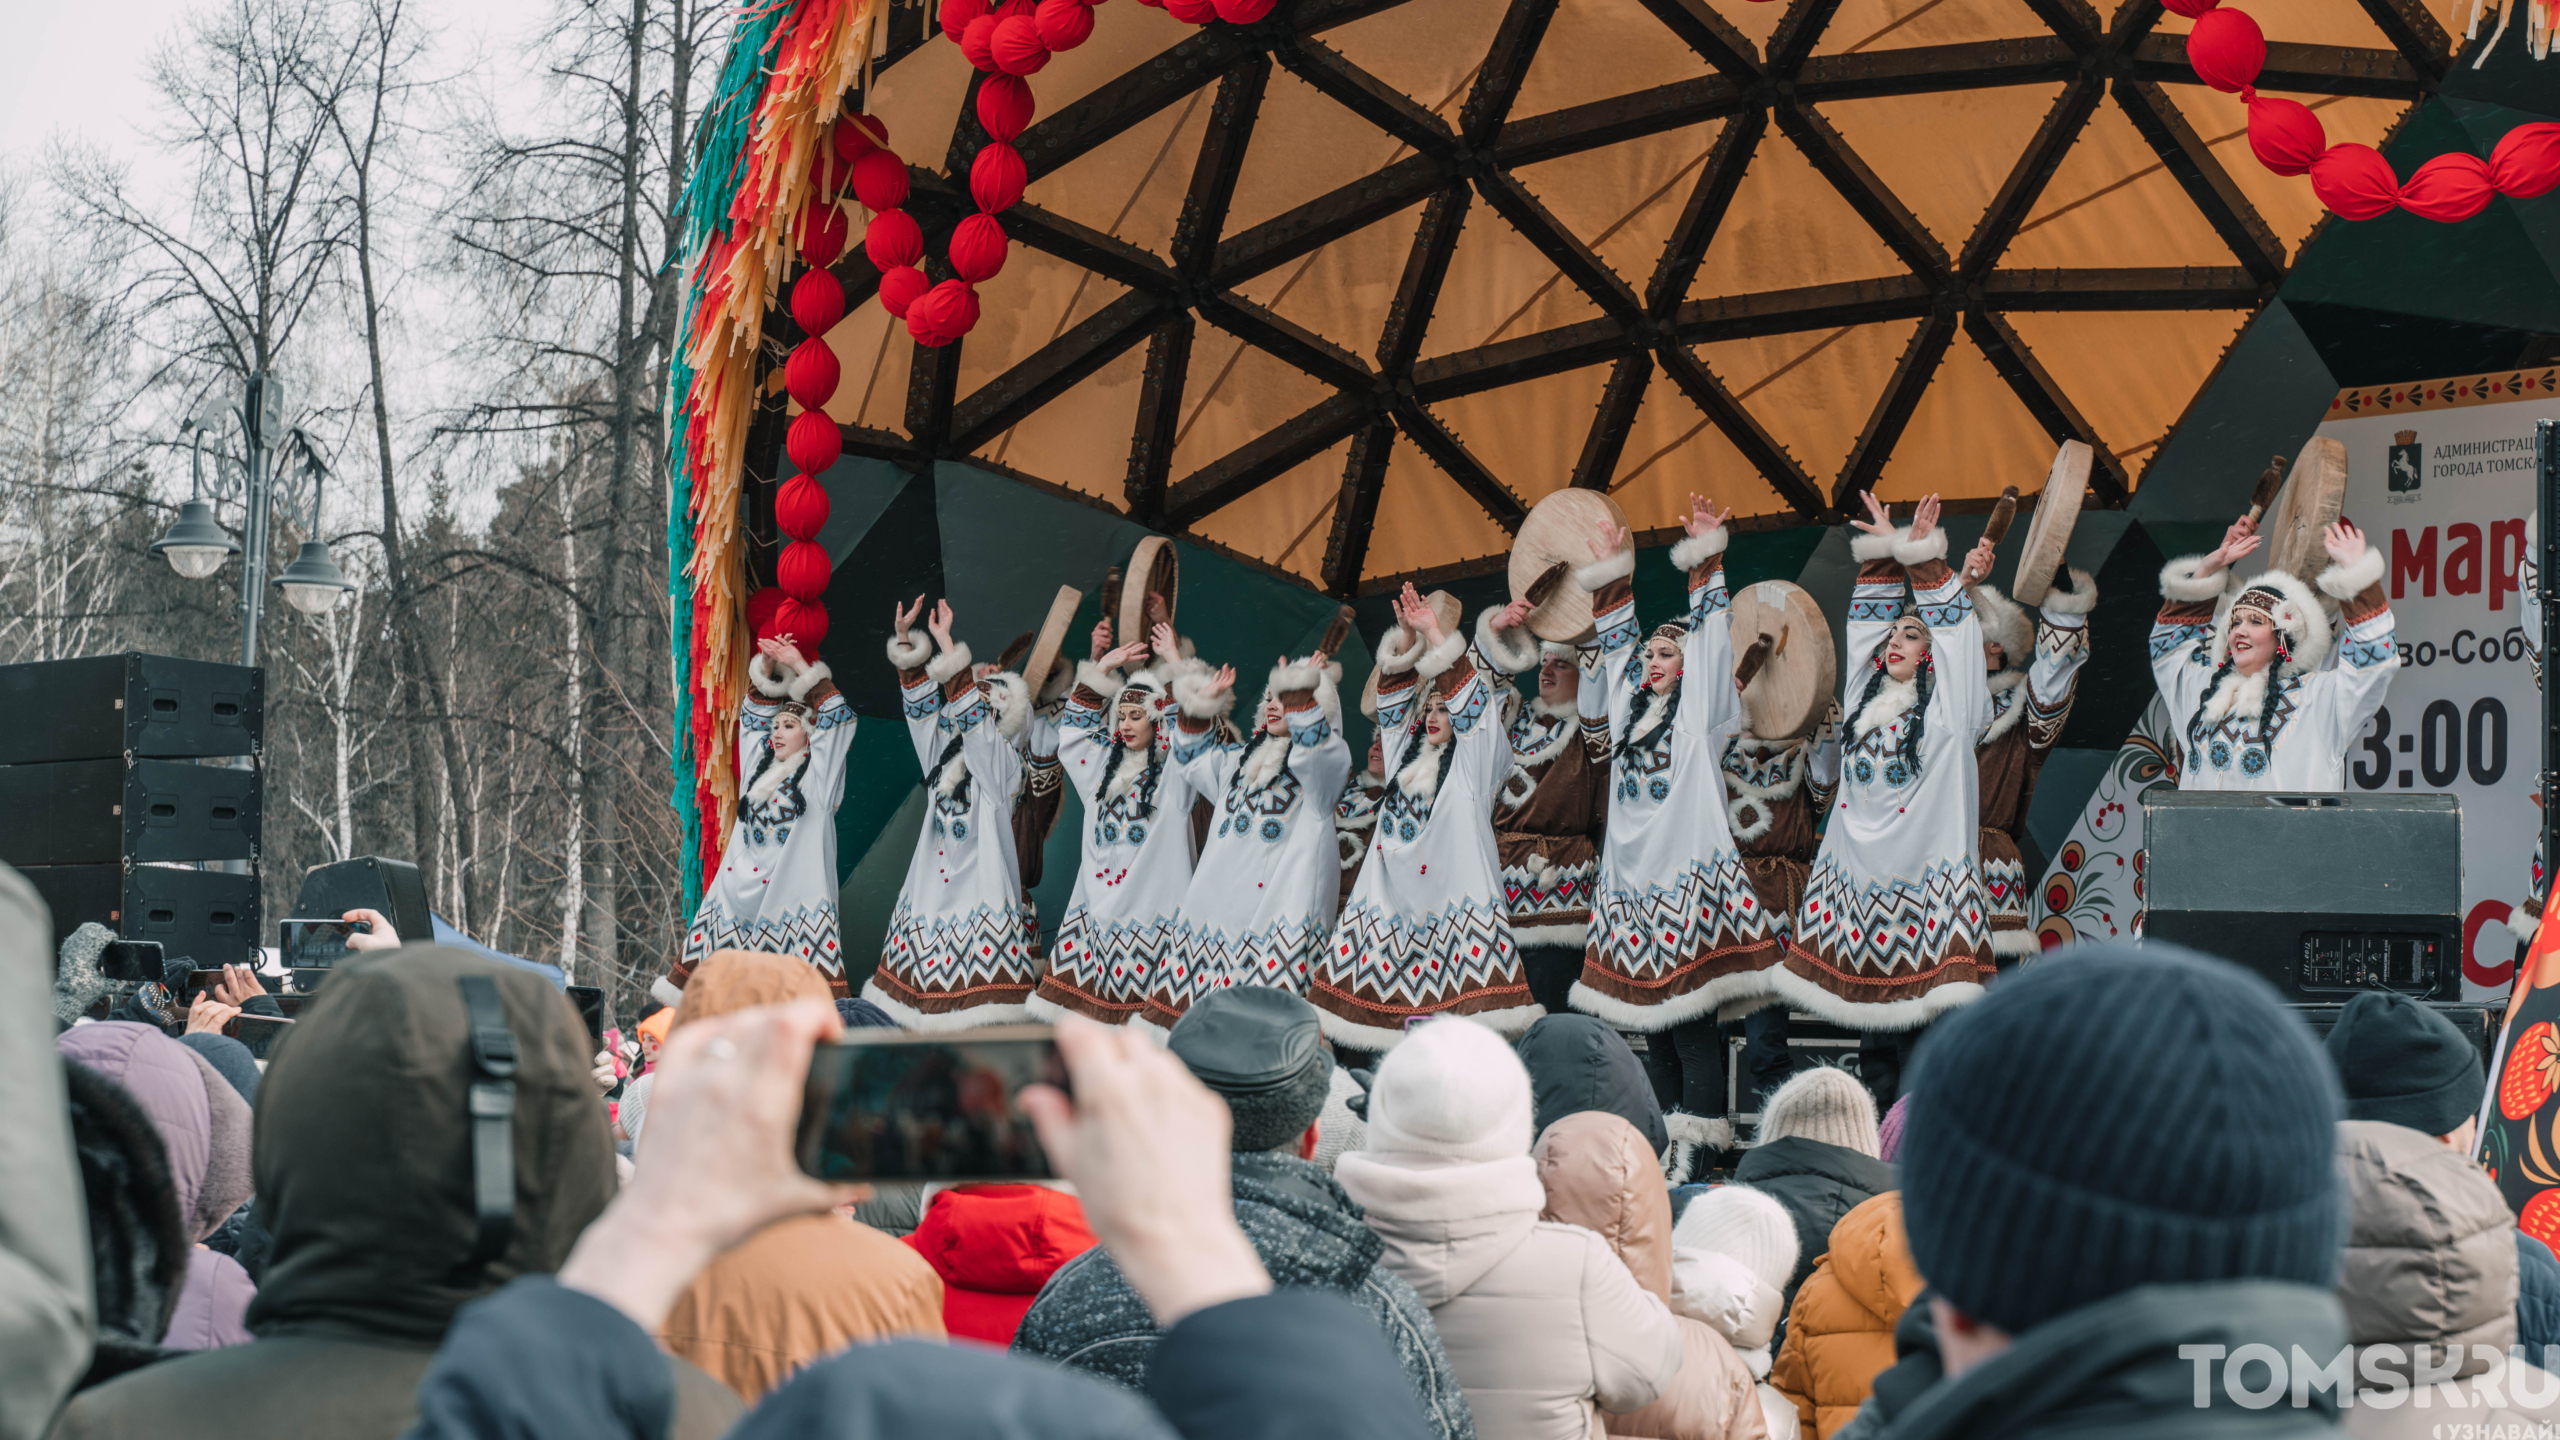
(2034, 665)
(960, 947)
(2241, 666)
(776, 890)
(1116, 743)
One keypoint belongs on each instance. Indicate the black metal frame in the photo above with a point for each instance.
(1643, 332)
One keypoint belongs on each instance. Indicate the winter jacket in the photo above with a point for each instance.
(1309, 1236)
(1544, 1325)
(539, 1362)
(1599, 1174)
(363, 1168)
(1577, 1063)
(795, 1292)
(1840, 1331)
(1916, 1367)
(2112, 1370)
(994, 1247)
(46, 1303)
(2537, 1295)
(1818, 1184)
(203, 1126)
(2430, 1271)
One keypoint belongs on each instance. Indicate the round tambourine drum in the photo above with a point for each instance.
(1796, 684)
(1560, 527)
(2049, 528)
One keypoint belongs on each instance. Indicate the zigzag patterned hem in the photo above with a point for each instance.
(995, 1005)
(1732, 968)
(1811, 983)
(811, 932)
(1505, 1018)
(1055, 997)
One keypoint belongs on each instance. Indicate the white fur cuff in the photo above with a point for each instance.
(1191, 692)
(1398, 649)
(664, 991)
(1105, 683)
(1433, 664)
(1285, 678)
(2182, 579)
(1867, 547)
(2522, 923)
(909, 652)
(1697, 550)
(807, 680)
(760, 675)
(1932, 546)
(1601, 572)
(2079, 600)
(2346, 582)
(954, 661)
(1509, 651)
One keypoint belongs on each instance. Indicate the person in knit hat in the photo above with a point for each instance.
(1817, 1156)
(2108, 1159)
(1544, 1324)
(1732, 1250)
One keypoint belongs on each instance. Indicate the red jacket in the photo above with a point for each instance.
(994, 1247)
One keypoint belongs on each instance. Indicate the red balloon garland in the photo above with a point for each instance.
(2227, 51)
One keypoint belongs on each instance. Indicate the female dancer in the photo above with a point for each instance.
(959, 951)
(1677, 928)
(1551, 813)
(1115, 741)
(1260, 904)
(2240, 667)
(1894, 928)
(776, 890)
(1426, 931)
(2035, 673)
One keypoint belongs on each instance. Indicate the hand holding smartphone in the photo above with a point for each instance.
(895, 1105)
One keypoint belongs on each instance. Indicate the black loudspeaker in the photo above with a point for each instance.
(97, 812)
(2324, 895)
(204, 915)
(368, 882)
(148, 706)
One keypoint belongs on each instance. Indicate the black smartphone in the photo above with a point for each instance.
(590, 1002)
(135, 960)
(892, 1105)
(261, 1033)
(316, 944)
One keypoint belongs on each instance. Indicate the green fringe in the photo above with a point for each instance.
(720, 135)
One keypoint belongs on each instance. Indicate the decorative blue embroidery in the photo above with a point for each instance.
(1875, 612)
(1940, 616)
(1110, 832)
(755, 719)
(2219, 752)
(1188, 747)
(830, 715)
(954, 721)
(1079, 718)
(1313, 731)
(1896, 774)
(1865, 770)
(1272, 828)
(1618, 627)
(2369, 654)
(1709, 599)
(1470, 706)
(2165, 639)
(1658, 788)
(1137, 834)
(2253, 759)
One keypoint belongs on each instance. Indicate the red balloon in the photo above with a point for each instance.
(943, 314)
(975, 40)
(817, 301)
(2190, 8)
(800, 506)
(956, 15)
(1191, 12)
(2526, 161)
(1064, 24)
(880, 181)
(996, 178)
(822, 232)
(2226, 48)
(859, 135)
(1011, 8)
(900, 287)
(977, 249)
(1242, 12)
(894, 239)
(1005, 105)
(1016, 46)
(803, 622)
(2284, 134)
(828, 172)
(812, 373)
(813, 443)
(2451, 187)
(2355, 181)
(760, 610)
(802, 570)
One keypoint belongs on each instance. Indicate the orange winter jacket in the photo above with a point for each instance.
(1840, 1333)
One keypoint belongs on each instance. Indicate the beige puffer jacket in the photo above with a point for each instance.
(2430, 1279)
(1599, 1175)
(1543, 1324)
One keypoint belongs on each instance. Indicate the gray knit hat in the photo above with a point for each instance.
(2125, 1117)
(2404, 1064)
(1262, 1050)
(1823, 1103)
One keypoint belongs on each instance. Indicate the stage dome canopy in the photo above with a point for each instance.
(1346, 290)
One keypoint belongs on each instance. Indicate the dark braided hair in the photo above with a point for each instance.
(789, 803)
(2267, 702)
(1146, 789)
(1647, 699)
(933, 777)
(1927, 680)
(1448, 753)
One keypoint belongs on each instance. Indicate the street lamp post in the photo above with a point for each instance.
(196, 545)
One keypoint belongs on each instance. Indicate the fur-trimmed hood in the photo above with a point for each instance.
(1010, 694)
(2005, 623)
(1325, 682)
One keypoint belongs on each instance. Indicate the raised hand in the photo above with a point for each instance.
(1166, 642)
(1101, 636)
(1613, 538)
(1977, 561)
(1513, 615)
(1924, 519)
(904, 616)
(1220, 683)
(1879, 520)
(1158, 612)
(1702, 516)
(2344, 541)
(940, 625)
(2238, 540)
(785, 653)
(1418, 616)
(1114, 659)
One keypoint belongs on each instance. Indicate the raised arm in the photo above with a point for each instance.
(2062, 648)
(2191, 588)
(1946, 606)
(1712, 705)
(1878, 595)
(1610, 577)
(922, 678)
(2368, 647)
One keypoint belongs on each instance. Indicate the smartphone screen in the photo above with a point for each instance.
(891, 1105)
(310, 944)
(590, 1002)
(135, 960)
(259, 1032)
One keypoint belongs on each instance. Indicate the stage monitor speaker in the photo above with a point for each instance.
(368, 882)
(148, 706)
(2324, 895)
(204, 915)
(97, 812)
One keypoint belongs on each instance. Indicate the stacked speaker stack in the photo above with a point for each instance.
(129, 795)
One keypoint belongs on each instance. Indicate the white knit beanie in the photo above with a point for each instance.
(1455, 1089)
(1746, 1224)
(633, 1112)
(1824, 1103)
